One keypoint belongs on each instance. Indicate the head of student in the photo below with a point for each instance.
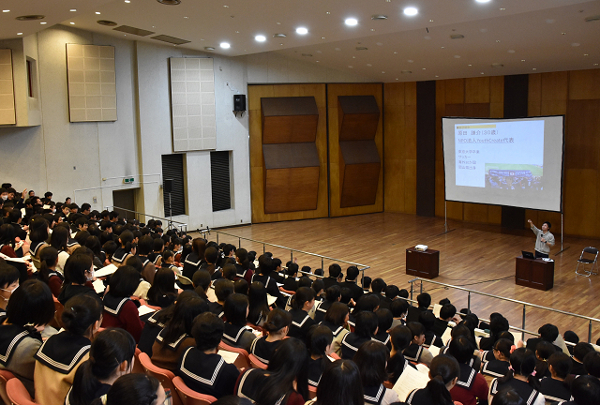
(9, 281)
(371, 359)
(207, 330)
(340, 385)
(136, 389)
(82, 315)
(31, 304)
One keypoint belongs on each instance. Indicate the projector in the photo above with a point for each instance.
(421, 247)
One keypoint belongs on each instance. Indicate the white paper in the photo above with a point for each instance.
(99, 286)
(106, 270)
(434, 350)
(229, 357)
(480, 333)
(446, 336)
(14, 259)
(143, 310)
(436, 310)
(409, 380)
(270, 299)
(279, 284)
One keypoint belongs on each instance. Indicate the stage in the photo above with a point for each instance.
(473, 256)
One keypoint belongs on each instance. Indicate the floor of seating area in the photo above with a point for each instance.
(474, 256)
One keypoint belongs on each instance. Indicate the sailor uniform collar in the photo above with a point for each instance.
(467, 375)
(72, 242)
(154, 321)
(119, 255)
(299, 318)
(523, 389)
(232, 334)
(173, 345)
(63, 352)
(334, 330)
(495, 368)
(10, 338)
(190, 259)
(413, 352)
(207, 379)
(35, 246)
(351, 340)
(248, 383)
(114, 305)
(144, 259)
(374, 395)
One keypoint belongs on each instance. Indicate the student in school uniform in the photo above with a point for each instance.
(443, 376)
(9, 282)
(277, 326)
(415, 351)
(555, 389)
(471, 386)
(38, 235)
(427, 319)
(136, 389)
(242, 265)
(162, 293)
(291, 273)
(265, 267)
(79, 274)
(499, 363)
(258, 305)
(371, 359)
(400, 337)
(28, 313)
(336, 319)
(119, 310)
(366, 328)
(194, 260)
(340, 385)
(144, 249)
(384, 323)
(59, 357)
(48, 273)
(223, 288)
(333, 294)
(520, 378)
(319, 345)
(302, 302)
(236, 333)
(123, 252)
(176, 336)
(200, 366)
(580, 350)
(399, 308)
(351, 283)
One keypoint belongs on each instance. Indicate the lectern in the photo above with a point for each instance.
(425, 264)
(534, 273)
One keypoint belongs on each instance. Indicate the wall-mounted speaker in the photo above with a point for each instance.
(239, 102)
(168, 186)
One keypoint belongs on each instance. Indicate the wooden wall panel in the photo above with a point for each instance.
(335, 185)
(410, 144)
(477, 90)
(255, 93)
(584, 84)
(440, 108)
(534, 99)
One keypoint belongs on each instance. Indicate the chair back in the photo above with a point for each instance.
(5, 375)
(287, 292)
(56, 322)
(189, 396)
(137, 365)
(256, 363)
(591, 250)
(184, 280)
(17, 393)
(242, 362)
(312, 392)
(161, 374)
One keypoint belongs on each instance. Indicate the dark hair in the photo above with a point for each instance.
(366, 324)
(110, 348)
(207, 330)
(211, 255)
(31, 303)
(93, 243)
(424, 300)
(80, 313)
(303, 295)
(352, 273)
(334, 270)
(48, 258)
(508, 397)
(522, 362)
(145, 245)
(232, 400)
(316, 285)
(257, 302)
(235, 309)
(7, 235)
(427, 319)
(288, 364)
(571, 337)
(60, 237)
(242, 255)
(462, 349)
(447, 311)
(443, 370)
(591, 361)
(75, 269)
(503, 346)
(401, 337)
(371, 359)
(223, 288)
(391, 292)
(340, 385)
(548, 223)
(133, 389)
(163, 290)
(498, 324)
(184, 312)
(336, 314)
(319, 337)
(333, 293)
(124, 282)
(416, 328)
(581, 349)
(384, 319)
(399, 307)
(586, 390)
(136, 263)
(378, 285)
(277, 319)
(561, 364)
(201, 278)
(292, 269)
(38, 229)
(229, 271)
(544, 349)
(366, 303)
(240, 286)
(8, 274)
(548, 332)
(126, 238)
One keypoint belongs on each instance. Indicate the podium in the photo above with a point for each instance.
(425, 264)
(534, 273)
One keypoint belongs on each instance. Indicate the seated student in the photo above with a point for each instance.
(200, 366)
(336, 319)
(371, 359)
(443, 374)
(352, 274)
(168, 261)
(240, 286)
(119, 310)
(580, 350)
(176, 336)
(555, 389)
(59, 357)
(378, 286)
(424, 301)
(399, 308)
(400, 337)
(242, 265)
(290, 283)
(520, 378)
(223, 289)
(543, 351)
(334, 272)
(302, 302)
(79, 274)
(571, 337)
(333, 294)
(447, 313)
(340, 385)
(591, 363)
(367, 303)
(29, 310)
(144, 249)
(59, 241)
(123, 252)
(427, 319)
(277, 326)
(211, 255)
(585, 390)
(193, 261)
(143, 287)
(265, 267)
(284, 382)
(384, 324)
(236, 332)
(498, 324)
(415, 351)
(158, 246)
(258, 309)
(366, 328)
(319, 346)
(9, 282)
(391, 293)
(163, 292)
(471, 386)
(136, 389)
(548, 332)
(499, 364)
(277, 274)
(508, 397)
(93, 243)
(318, 287)
(38, 235)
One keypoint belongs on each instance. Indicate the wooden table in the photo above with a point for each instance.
(534, 273)
(425, 264)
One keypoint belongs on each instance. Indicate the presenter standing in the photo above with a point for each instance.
(544, 239)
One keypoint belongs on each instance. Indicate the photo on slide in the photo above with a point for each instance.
(510, 176)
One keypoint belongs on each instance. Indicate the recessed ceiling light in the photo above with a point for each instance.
(511, 51)
(497, 41)
(482, 73)
(410, 11)
(225, 45)
(436, 76)
(322, 37)
(522, 60)
(595, 64)
(260, 38)
(382, 72)
(424, 68)
(575, 44)
(396, 78)
(225, 6)
(369, 65)
(127, 1)
(337, 49)
(43, 23)
(372, 29)
(379, 44)
(317, 61)
(442, 47)
(237, 32)
(430, 20)
(73, 10)
(6, 11)
(427, 37)
(98, 12)
(301, 31)
(457, 56)
(20, 33)
(72, 23)
(354, 57)
(186, 17)
(586, 54)
(328, 12)
(534, 69)
(482, 1)
(470, 64)
(351, 22)
(319, 52)
(550, 21)
(502, 9)
(350, 66)
(410, 61)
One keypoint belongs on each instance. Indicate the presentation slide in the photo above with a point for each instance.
(515, 162)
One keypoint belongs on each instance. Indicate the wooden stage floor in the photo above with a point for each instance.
(478, 257)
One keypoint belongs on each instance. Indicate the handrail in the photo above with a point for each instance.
(525, 304)
(180, 224)
(361, 267)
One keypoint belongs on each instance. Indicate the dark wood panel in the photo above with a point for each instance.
(359, 184)
(477, 110)
(359, 117)
(426, 124)
(289, 155)
(289, 190)
(582, 146)
(297, 128)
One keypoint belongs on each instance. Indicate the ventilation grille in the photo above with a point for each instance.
(220, 180)
(134, 31)
(171, 40)
(172, 168)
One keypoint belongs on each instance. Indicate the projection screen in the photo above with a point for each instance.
(514, 162)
